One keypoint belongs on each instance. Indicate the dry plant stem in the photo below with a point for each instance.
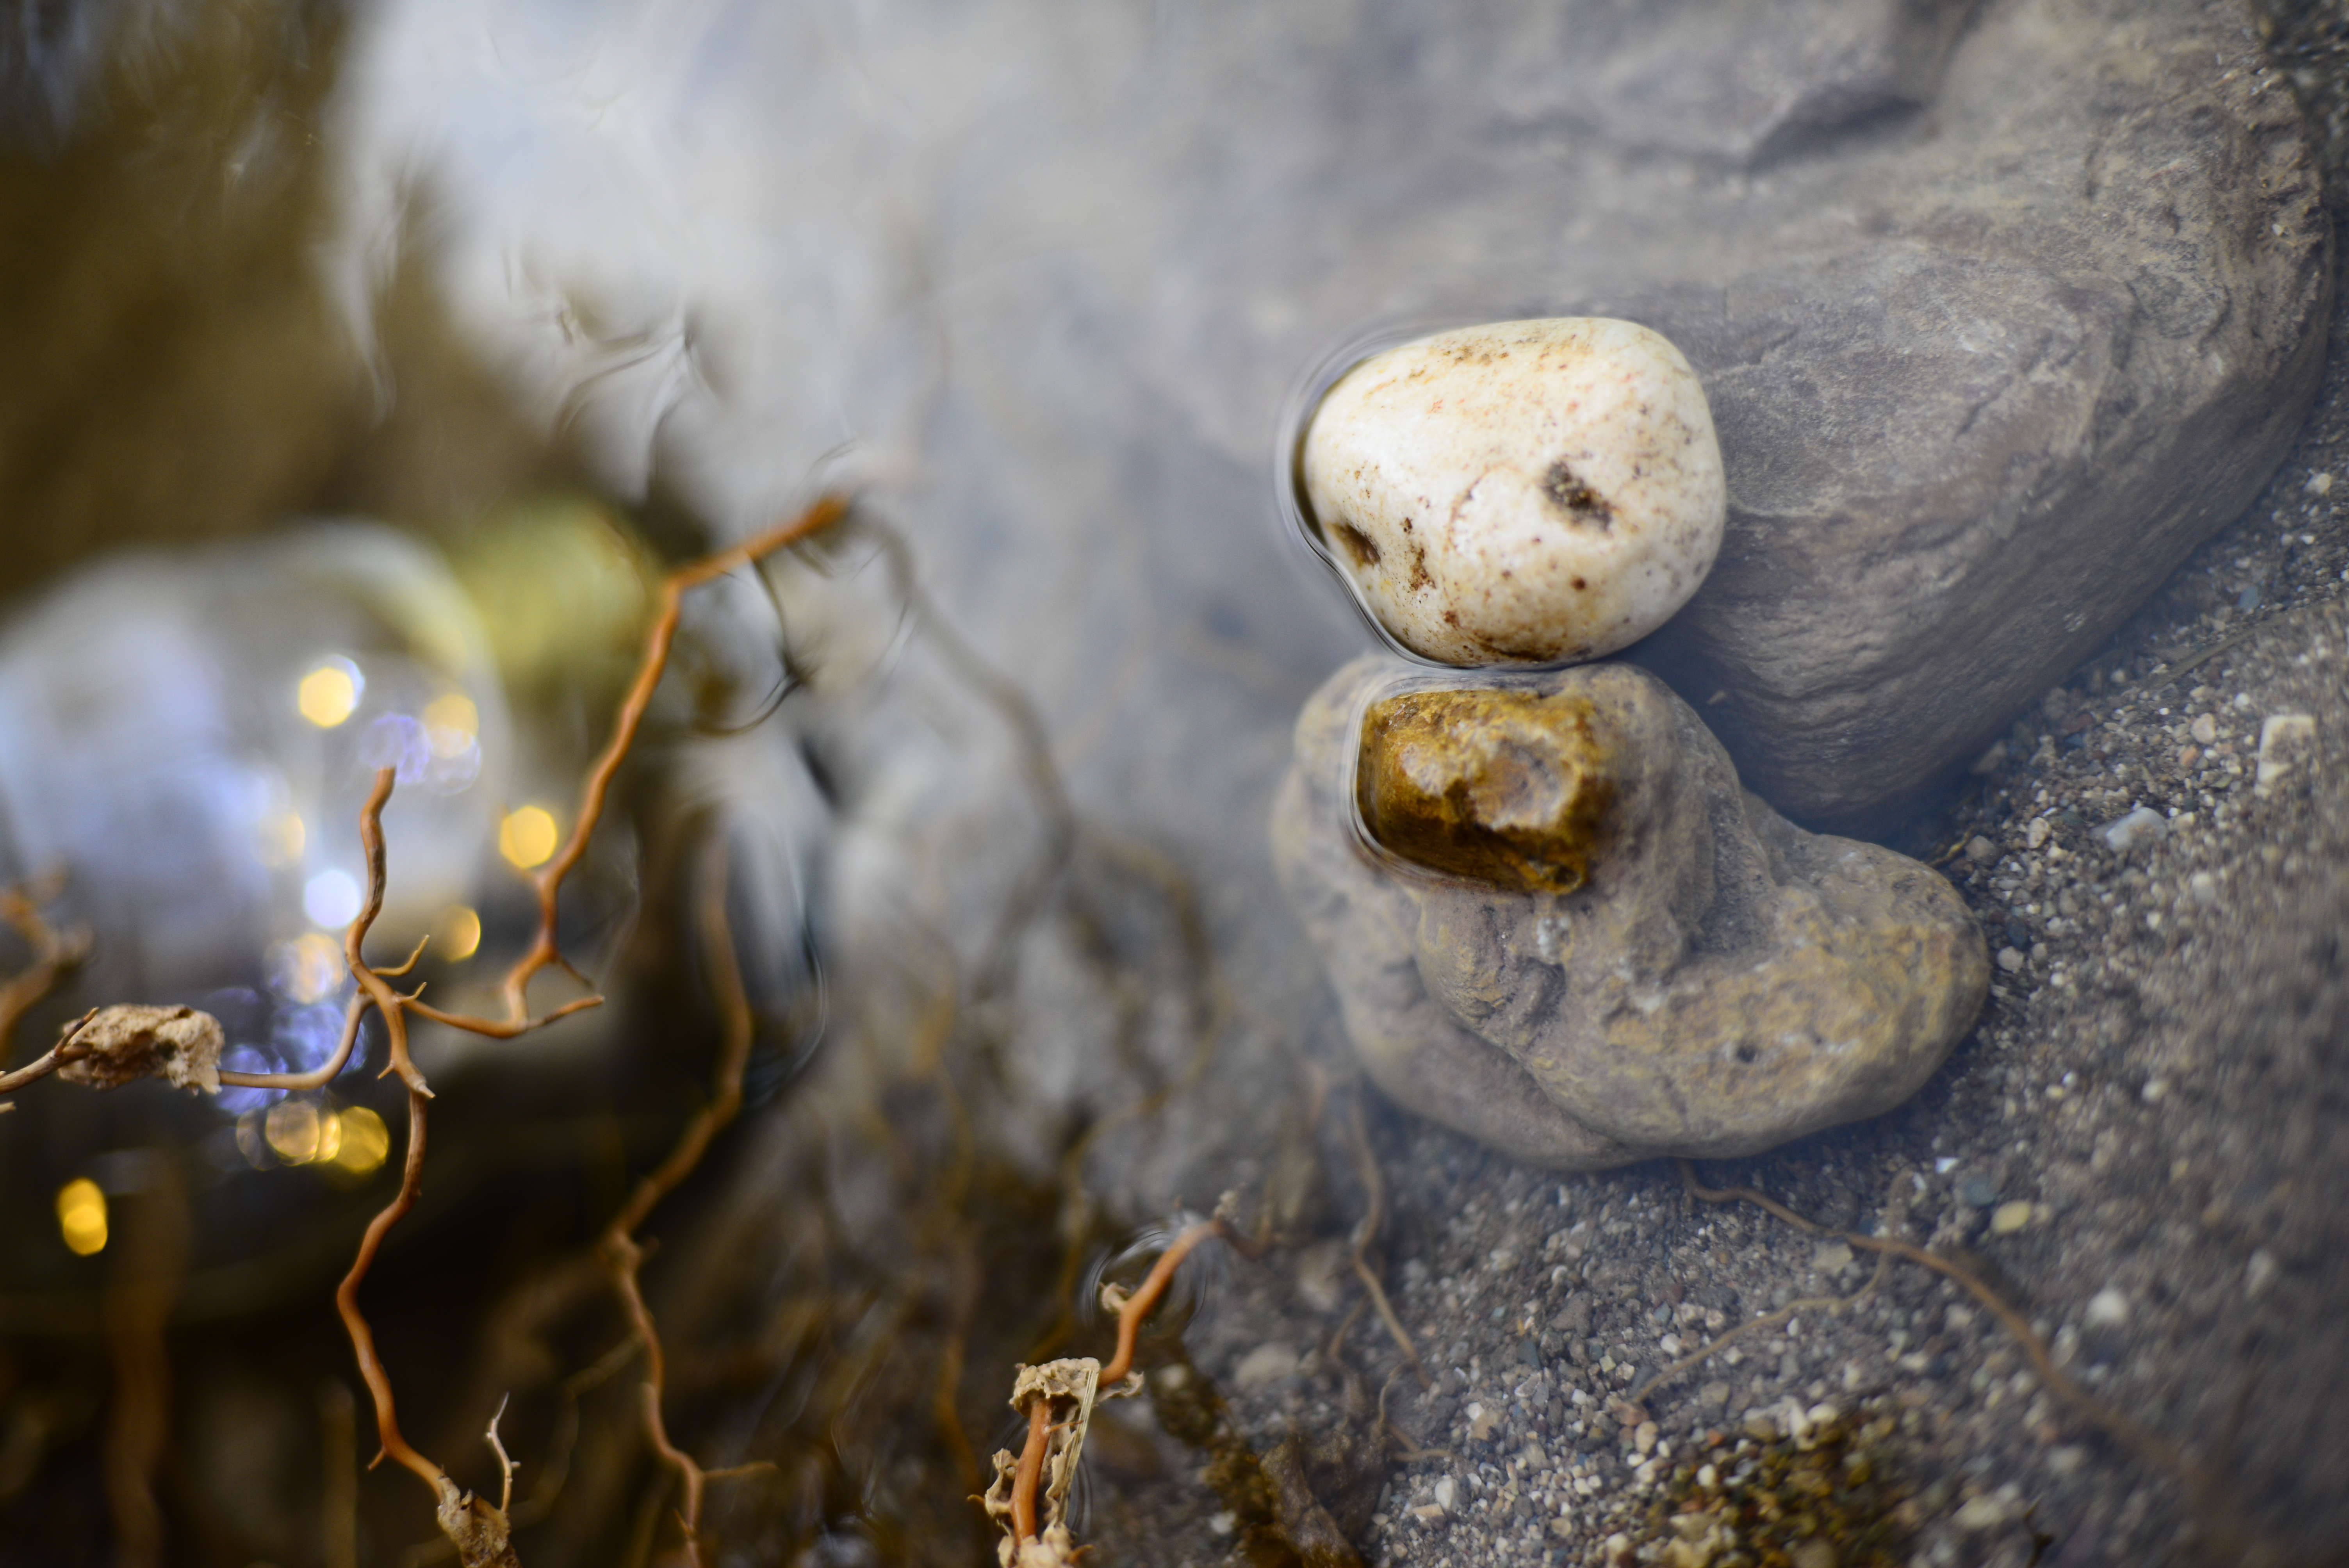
(547, 882)
(1138, 1305)
(55, 953)
(50, 1060)
(355, 1322)
(1130, 1315)
(1030, 1473)
(621, 1251)
(1638, 1396)
(1368, 1160)
(2154, 1451)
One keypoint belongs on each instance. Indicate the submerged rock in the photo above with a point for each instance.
(1527, 491)
(1717, 983)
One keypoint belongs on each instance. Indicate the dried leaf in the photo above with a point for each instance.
(476, 1527)
(121, 1044)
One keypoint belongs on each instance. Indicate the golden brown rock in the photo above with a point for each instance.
(1719, 982)
(1505, 787)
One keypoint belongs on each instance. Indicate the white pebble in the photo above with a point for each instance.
(2285, 738)
(1263, 1367)
(2142, 825)
(1529, 492)
(2108, 1308)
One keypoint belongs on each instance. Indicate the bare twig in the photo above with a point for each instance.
(623, 1253)
(1367, 1160)
(547, 882)
(1028, 1474)
(55, 953)
(2154, 1451)
(1637, 1398)
(505, 1459)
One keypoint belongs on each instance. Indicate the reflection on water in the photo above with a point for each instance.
(175, 732)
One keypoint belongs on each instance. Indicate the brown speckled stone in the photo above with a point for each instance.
(1503, 786)
(1721, 982)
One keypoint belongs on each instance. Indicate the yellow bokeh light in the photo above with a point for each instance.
(328, 694)
(527, 837)
(307, 969)
(330, 1138)
(450, 723)
(281, 839)
(81, 1215)
(456, 932)
(291, 1129)
(364, 1139)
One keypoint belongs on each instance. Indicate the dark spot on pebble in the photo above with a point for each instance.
(1359, 545)
(1581, 504)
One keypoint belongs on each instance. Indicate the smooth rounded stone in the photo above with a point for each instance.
(1526, 493)
(1723, 981)
(1504, 787)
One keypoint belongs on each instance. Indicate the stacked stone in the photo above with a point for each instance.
(1553, 918)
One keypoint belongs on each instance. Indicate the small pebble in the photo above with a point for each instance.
(1978, 1190)
(2036, 834)
(1443, 1493)
(1527, 492)
(2205, 730)
(2108, 1308)
(2010, 959)
(2284, 739)
(1981, 851)
(2009, 1218)
(2319, 484)
(2144, 825)
(1264, 1366)
(1978, 1513)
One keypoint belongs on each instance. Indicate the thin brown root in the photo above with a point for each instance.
(546, 883)
(1030, 1473)
(2154, 1451)
(55, 953)
(1403, 1441)
(625, 1255)
(1366, 1162)
(1637, 1398)
(1133, 1309)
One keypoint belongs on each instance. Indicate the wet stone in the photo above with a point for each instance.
(1527, 491)
(1504, 787)
(1717, 981)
